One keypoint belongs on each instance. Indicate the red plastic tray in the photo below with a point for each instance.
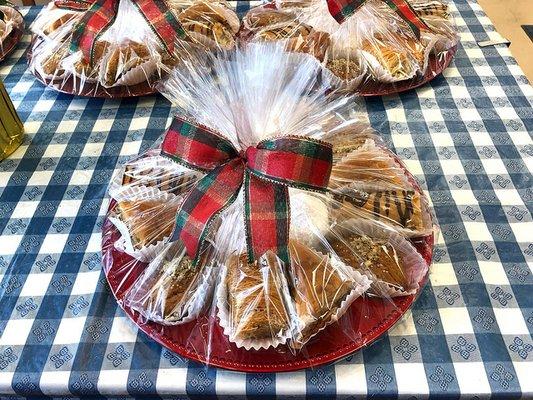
(71, 85)
(190, 339)
(11, 41)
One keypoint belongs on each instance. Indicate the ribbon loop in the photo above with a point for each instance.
(294, 161)
(266, 170)
(196, 147)
(343, 9)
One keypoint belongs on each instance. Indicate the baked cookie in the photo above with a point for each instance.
(399, 208)
(174, 291)
(394, 60)
(148, 221)
(123, 59)
(255, 297)
(319, 288)
(369, 164)
(210, 24)
(376, 256)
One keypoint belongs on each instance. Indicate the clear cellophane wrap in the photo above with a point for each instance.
(10, 20)
(372, 51)
(351, 242)
(127, 54)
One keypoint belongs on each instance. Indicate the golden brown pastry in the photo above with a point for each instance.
(344, 68)
(87, 69)
(416, 48)
(315, 44)
(265, 18)
(396, 61)
(165, 178)
(288, 4)
(346, 139)
(57, 23)
(401, 208)
(255, 298)
(148, 221)
(52, 64)
(207, 21)
(318, 291)
(372, 166)
(167, 292)
(123, 59)
(290, 30)
(431, 8)
(375, 255)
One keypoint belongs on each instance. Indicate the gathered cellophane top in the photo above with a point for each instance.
(350, 241)
(130, 51)
(373, 47)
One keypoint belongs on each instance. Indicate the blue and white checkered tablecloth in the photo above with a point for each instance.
(466, 136)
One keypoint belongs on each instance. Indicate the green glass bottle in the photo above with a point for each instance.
(11, 127)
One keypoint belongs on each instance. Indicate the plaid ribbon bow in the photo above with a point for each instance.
(266, 170)
(342, 9)
(100, 14)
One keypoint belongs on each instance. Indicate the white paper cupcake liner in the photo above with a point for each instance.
(225, 318)
(361, 284)
(125, 244)
(309, 216)
(415, 267)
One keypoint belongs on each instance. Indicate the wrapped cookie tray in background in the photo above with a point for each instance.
(121, 48)
(372, 47)
(269, 231)
(11, 28)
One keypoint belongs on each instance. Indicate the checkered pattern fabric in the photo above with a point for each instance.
(466, 136)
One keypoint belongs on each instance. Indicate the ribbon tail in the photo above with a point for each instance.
(409, 15)
(211, 195)
(266, 217)
(100, 15)
(163, 22)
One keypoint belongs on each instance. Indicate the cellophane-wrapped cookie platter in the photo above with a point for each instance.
(372, 47)
(11, 28)
(122, 48)
(268, 230)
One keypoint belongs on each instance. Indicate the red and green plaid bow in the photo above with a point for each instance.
(100, 14)
(267, 171)
(342, 9)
